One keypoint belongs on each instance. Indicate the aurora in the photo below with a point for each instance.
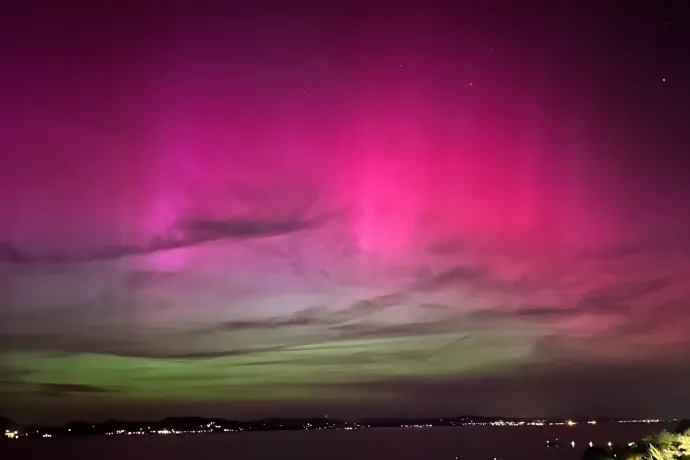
(244, 212)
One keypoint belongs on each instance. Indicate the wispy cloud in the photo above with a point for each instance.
(379, 330)
(319, 315)
(447, 246)
(186, 233)
(480, 277)
(614, 297)
(675, 243)
(449, 278)
(194, 355)
(60, 390)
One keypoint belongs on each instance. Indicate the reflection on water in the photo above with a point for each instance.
(462, 443)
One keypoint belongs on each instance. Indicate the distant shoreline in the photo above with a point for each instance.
(200, 425)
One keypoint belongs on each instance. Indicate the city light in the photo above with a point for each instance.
(219, 427)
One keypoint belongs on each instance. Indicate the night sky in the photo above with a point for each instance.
(277, 208)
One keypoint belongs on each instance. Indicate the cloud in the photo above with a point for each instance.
(660, 329)
(611, 300)
(85, 330)
(11, 377)
(74, 343)
(307, 356)
(186, 233)
(453, 277)
(10, 254)
(475, 277)
(218, 353)
(202, 230)
(523, 312)
(433, 306)
(447, 246)
(670, 313)
(71, 389)
(677, 244)
(319, 315)
(140, 279)
(378, 330)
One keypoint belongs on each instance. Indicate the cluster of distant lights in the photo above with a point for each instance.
(9, 434)
(215, 428)
(651, 420)
(211, 427)
(141, 432)
(309, 426)
(532, 423)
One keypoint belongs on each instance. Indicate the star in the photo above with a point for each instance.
(663, 80)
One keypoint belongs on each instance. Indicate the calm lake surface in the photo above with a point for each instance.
(465, 443)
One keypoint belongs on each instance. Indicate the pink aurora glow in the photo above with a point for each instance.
(259, 169)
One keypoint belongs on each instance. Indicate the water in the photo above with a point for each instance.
(465, 443)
